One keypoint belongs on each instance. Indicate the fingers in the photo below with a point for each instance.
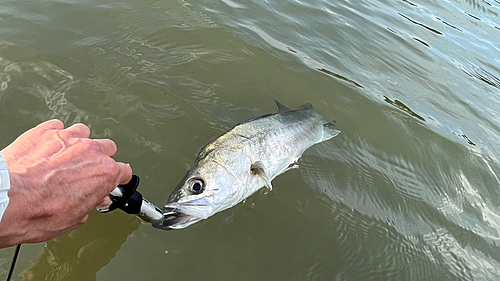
(125, 173)
(81, 222)
(82, 131)
(53, 124)
(121, 175)
(78, 131)
(105, 203)
(106, 146)
(118, 174)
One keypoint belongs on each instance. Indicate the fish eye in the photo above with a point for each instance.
(196, 185)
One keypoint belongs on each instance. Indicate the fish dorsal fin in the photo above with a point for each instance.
(281, 107)
(257, 168)
(306, 106)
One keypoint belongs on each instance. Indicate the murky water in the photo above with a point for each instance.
(409, 190)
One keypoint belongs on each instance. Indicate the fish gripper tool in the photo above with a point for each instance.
(126, 198)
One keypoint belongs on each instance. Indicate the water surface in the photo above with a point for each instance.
(408, 191)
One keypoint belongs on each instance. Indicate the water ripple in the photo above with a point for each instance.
(411, 234)
(408, 191)
(422, 25)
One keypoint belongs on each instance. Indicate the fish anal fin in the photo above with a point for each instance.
(257, 168)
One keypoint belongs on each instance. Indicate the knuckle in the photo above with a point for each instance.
(81, 127)
(113, 170)
(89, 145)
(126, 177)
(113, 145)
(57, 124)
(53, 123)
(109, 146)
(129, 171)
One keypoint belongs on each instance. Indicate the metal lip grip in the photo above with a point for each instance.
(126, 198)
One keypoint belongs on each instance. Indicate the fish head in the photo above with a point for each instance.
(205, 190)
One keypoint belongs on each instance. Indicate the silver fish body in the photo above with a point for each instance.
(246, 158)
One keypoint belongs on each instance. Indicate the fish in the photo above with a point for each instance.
(246, 158)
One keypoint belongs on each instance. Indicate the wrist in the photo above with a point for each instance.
(13, 230)
(4, 186)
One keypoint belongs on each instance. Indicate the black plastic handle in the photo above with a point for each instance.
(131, 201)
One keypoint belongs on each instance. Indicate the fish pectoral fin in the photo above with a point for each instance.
(257, 168)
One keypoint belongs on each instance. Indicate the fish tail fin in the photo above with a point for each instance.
(329, 132)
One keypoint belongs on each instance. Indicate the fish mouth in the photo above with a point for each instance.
(175, 219)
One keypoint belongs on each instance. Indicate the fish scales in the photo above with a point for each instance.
(246, 158)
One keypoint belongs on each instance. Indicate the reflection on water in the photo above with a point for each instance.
(408, 191)
(81, 253)
(443, 219)
(403, 107)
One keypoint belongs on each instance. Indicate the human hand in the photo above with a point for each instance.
(57, 177)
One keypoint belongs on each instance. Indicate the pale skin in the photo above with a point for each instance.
(57, 177)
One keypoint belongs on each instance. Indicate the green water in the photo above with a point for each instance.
(408, 191)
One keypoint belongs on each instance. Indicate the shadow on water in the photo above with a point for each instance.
(81, 253)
